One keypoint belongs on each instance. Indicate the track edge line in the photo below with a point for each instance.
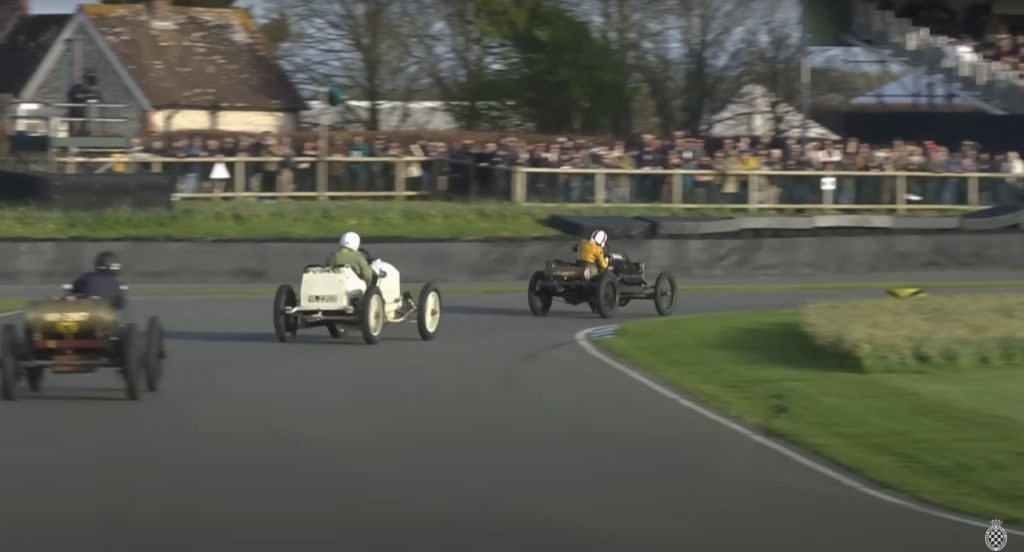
(582, 338)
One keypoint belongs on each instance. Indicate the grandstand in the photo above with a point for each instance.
(970, 50)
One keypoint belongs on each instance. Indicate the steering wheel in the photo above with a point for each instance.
(366, 255)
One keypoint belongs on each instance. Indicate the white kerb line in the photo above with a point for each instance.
(582, 339)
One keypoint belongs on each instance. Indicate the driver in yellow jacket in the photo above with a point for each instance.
(592, 250)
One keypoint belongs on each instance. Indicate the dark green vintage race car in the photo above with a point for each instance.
(577, 282)
(73, 335)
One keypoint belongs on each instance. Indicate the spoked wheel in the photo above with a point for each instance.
(428, 312)
(285, 325)
(372, 323)
(539, 300)
(131, 361)
(155, 353)
(10, 368)
(607, 300)
(665, 293)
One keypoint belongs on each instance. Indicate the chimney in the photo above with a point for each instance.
(10, 11)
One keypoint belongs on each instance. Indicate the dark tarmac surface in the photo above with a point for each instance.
(500, 436)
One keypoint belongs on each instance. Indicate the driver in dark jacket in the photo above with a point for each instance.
(102, 282)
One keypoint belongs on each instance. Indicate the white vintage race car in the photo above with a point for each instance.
(335, 297)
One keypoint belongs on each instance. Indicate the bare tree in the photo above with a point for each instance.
(456, 56)
(365, 45)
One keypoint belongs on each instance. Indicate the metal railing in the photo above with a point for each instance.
(62, 120)
(204, 178)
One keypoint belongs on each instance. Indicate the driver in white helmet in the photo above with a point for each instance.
(349, 254)
(592, 250)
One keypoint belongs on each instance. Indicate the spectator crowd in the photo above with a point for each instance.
(476, 167)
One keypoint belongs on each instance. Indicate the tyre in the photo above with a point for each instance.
(334, 330)
(131, 361)
(10, 368)
(35, 379)
(665, 293)
(155, 353)
(540, 301)
(372, 323)
(607, 300)
(285, 324)
(428, 312)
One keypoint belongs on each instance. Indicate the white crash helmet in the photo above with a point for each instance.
(600, 237)
(350, 240)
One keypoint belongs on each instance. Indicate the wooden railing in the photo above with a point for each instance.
(404, 177)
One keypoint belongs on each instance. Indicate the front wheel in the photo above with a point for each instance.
(428, 316)
(665, 293)
(131, 362)
(154, 364)
(539, 300)
(607, 300)
(285, 324)
(10, 368)
(372, 323)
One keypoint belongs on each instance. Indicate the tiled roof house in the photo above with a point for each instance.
(177, 67)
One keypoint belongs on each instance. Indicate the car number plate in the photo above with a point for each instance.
(322, 299)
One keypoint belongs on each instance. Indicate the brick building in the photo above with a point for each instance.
(178, 68)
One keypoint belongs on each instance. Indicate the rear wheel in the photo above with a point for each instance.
(154, 359)
(665, 293)
(539, 300)
(607, 300)
(131, 361)
(285, 325)
(10, 368)
(35, 379)
(428, 315)
(372, 323)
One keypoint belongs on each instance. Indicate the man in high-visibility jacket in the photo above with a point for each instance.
(592, 250)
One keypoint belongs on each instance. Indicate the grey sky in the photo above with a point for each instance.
(68, 6)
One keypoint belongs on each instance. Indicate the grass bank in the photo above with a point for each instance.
(948, 438)
(308, 219)
(928, 334)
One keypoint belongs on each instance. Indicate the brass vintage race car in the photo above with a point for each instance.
(73, 335)
(577, 282)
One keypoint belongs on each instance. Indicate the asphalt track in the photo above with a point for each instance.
(501, 435)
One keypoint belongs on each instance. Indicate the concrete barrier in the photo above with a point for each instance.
(45, 262)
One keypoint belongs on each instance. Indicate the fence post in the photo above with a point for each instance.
(600, 187)
(676, 193)
(399, 179)
(518, 185)
(973, 191)
(753, 192)
(322, 166)
(240, 178)
(901, 193)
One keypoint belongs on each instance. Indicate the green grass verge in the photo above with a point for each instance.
(309, 219)
(947, 438)
(8, 305)
(926, 334)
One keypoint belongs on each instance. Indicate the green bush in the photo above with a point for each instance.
(923, 334)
